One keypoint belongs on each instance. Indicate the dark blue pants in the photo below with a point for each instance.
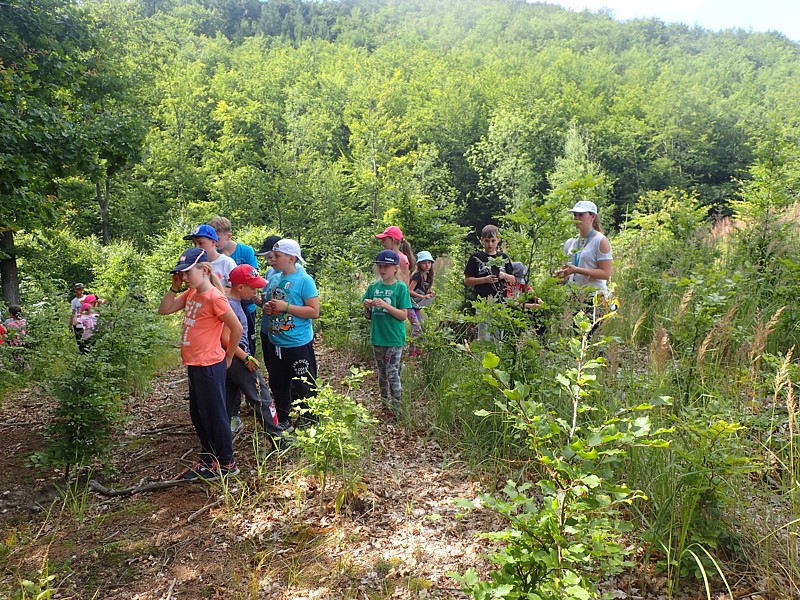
(209, 414)
(286, 368)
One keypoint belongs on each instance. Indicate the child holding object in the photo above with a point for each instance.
(206, 311)
(421, 290)
(291, 304)
(386, 304)
(244, 374)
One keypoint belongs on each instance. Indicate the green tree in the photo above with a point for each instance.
(46, 74)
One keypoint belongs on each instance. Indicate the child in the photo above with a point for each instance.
(87, 320)
(16, 326)
(206, 238)
(242, 254)
(421, 290)
(206, 311)
(75, 307)
(244, 374)
(292, 303)
(392, 239)
(386, 304)
(488, 271)
(520, 291)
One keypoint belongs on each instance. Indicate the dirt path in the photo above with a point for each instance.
(261, 538)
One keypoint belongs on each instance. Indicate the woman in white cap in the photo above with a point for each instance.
(589, 254)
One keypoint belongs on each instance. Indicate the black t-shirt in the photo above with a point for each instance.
(478, 266)
(423, 285)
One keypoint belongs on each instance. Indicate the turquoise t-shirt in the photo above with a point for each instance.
(272, 273)
(290, 331)
(385, 329)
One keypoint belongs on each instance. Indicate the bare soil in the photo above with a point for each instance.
(263, 537)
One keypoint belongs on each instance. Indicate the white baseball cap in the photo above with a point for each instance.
(584, 206)
(290, 247)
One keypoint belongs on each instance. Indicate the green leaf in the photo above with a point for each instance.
(490, 360)
(591, 480)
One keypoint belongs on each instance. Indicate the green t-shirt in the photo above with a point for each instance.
(386, 330)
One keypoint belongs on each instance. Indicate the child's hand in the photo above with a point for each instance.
(177, 281)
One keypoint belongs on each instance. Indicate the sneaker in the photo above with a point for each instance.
(236, 424)
(286, 426)
(201, 472)
(280, 442)
(228, 470)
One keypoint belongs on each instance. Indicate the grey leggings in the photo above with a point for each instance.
(388, 361)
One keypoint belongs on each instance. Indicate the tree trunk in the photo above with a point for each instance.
(9, 277)
(102, 200)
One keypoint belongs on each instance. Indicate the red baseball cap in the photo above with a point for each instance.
(248, 275)
(392, 232)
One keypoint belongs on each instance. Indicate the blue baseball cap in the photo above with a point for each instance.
(387, 257)
(190, 258)
(424, 255)
(203, 231)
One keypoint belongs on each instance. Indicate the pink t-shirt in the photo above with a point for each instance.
(202, 326)
(88, 322)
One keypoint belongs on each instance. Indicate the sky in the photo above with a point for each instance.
(757, 15)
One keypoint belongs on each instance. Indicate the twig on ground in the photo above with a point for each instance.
(164, 429)
(136, 489)
(207, 507)
(171, 588)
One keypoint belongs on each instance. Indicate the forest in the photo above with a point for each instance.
(655, 458)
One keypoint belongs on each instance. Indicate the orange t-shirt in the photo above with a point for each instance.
(202, 326)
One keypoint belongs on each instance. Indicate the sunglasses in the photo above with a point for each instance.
(578, 214)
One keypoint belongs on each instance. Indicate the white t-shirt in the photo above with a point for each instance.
(75, 305)
(222, 268)
(587, 256)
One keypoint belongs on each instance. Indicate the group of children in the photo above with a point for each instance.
(223, 290)
(217, 285)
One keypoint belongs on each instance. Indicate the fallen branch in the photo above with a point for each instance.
(164, 429)
(207, 507)
(136, 489)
